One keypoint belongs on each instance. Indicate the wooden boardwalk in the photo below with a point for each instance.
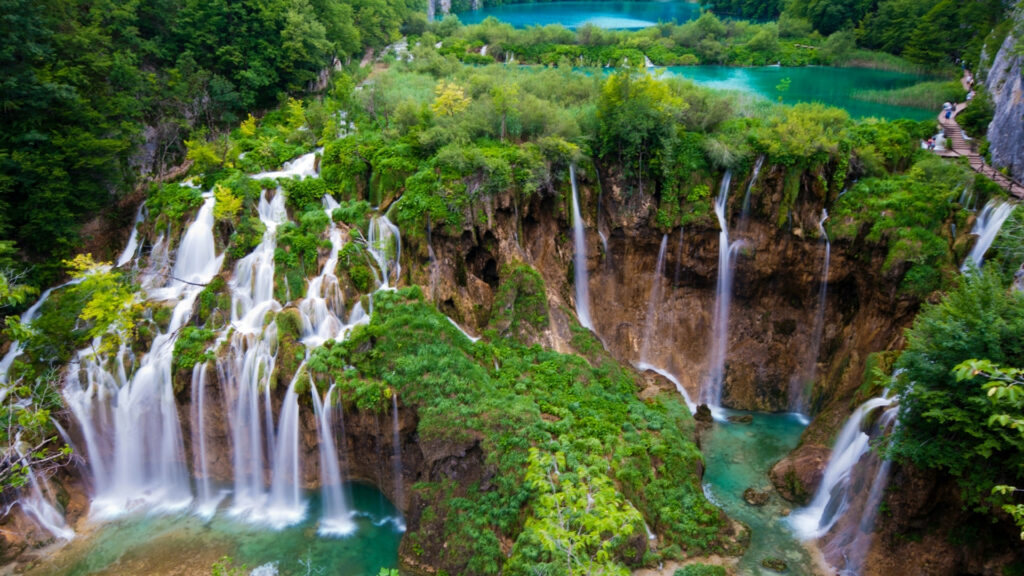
(957, 145)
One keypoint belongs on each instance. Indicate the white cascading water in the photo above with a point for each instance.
(385, 246)
(833, 494)
(207, 504)
(853, 543)
(324, 305)
(337, 518)
(285, 505)
(131, 428)
(37, 505)
(133, 240)
(986, 228)
(711, 392)
(745, 213)
(797, 399)
(653, 300)
(580, 276)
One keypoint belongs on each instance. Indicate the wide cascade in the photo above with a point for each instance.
(124, 402)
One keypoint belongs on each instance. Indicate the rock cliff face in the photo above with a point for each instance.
(1005, 81)
(772, 347)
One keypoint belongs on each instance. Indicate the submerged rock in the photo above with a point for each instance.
(742, 418)
(776, 564)
(756, 497)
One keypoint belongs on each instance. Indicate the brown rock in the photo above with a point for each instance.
(797, 476)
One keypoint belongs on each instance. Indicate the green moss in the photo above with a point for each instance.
(700, 570)
(192, 347)
(520, 307)
(214, 303)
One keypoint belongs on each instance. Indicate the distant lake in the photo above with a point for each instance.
(832, 86)
(610, 15)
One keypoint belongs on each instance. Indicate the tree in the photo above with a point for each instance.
(113, 308)
(505, 97)
(945, 419)
(451, 99)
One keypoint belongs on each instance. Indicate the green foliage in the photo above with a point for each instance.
(173, 201)
(931, 94)
(946, 415)
(979, 113)
(114, 306)
(192, 347)
(304, 193)
(908, 213)
(521, 302)
(295, 256)
(226, 567)
(460, 396)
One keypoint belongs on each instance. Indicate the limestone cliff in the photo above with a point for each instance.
(1005, 81)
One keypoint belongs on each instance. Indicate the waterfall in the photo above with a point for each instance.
(37, 505)
(385, 246)
(396, 459)
(852, 543)
(324, 303)
(711, 392)
(337, 519)
(671, 378)
(834, 494)
(745, 213)
(653, 300)
(285, 505)
(132, 247)
(207, 502)
(580, 277)
(986, 228)
(131, 428)
(797, 400)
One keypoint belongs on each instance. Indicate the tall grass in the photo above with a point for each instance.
(922, 95)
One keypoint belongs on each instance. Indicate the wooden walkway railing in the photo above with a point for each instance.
(957, 145)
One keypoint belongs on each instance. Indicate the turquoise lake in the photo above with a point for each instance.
(832, 86)
(611, 15)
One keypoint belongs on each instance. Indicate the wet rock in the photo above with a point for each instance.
(756, 497)
(703, 414)
(776, 564)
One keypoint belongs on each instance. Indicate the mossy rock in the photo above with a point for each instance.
(776, 564)
(290, 350)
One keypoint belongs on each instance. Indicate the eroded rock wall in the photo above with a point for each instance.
(1005, 83)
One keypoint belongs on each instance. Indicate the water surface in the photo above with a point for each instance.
(610, 15)
(165, 545)
(828, 85)
(738, 456)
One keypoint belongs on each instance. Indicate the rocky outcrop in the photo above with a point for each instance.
(797, 476)
(1005, 82)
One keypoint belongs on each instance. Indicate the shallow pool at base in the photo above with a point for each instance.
(610, 15)
(738, 456)
(166, 545)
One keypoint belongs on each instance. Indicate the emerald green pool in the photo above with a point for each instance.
(186, 544)
(738, 456)
(832, 86)
(611, 15)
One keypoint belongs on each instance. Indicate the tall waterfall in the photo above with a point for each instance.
(207, 501)
(834, 493)
(286, 505)
(797, 397)
(711, 392)
(986, 228)
(337, 519)
(385, 246)
(132, 247)
(653, 300)
(580, 277)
